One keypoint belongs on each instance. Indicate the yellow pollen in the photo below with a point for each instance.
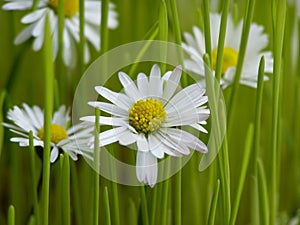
(58, 133)
(230, 58)
(71, 7)
(147, 115)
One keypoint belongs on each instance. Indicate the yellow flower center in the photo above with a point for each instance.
(71, 7)
(147, 115)
(230, 58)
(58, 133)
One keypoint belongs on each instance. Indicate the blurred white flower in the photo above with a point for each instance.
(72, 140)
(195, 48)
(36, 23)
(152, 114)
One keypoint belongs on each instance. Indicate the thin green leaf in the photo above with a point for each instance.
(240, 186)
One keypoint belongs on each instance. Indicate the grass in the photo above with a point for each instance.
(254, 178)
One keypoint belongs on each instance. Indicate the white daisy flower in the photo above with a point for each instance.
(36, 23)
(149, 114)
(73, 140)
(257, 41)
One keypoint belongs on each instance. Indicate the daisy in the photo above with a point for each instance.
(195, 48)
(36, 23)
(150, 114)
(72, 140)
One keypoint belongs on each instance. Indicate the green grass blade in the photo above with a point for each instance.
(106, 206)
(33, 178)
(48, 99)
(221, 40)
(245, 163)
(97, 166)
(2, 98)
(177, 200)
(81, 37)
(213, 206)
(104, 26)
(263, 195)
(11, 215)
(278, 31)
(144, 207)
(207, 35)
(163, 32)
(65, 190)
(257, 125)
(242, 51)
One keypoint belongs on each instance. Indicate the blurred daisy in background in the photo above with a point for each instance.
(257, 41)
(72, 140)
(152, 114)
(35, 21)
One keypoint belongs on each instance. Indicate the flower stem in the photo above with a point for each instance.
(163, 32)
(177, 200)
(33, 178)
(48, 99)
(206, 17)
(279, 14)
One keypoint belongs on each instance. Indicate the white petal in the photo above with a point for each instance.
(24, 35)
(185, 137)
(118, 99)
(156, 146)
(155, 82)
(111, 136)
(143, 86)
(18, 5)
(61, 116)
(129, 86)
(110, 108)
(172, 83)
(34, 16)
(127, 138)
(142, 143)
(54, 154)
(113, 121)
(146, 168)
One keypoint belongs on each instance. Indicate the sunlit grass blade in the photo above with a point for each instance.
(154, 206)
(33, 178)
(177, 194)
(132, 212)
(106, 207)
(244, 167)
(242, 52)
(279, 13)
(263, 195)
(48, 99)
(32, 220)
(213, 205)
(11, 215)
(97, 166)
(165, 195)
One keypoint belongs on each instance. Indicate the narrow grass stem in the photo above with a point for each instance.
(11, 215)
(97, 167)
(48, 99)
(213, 206)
